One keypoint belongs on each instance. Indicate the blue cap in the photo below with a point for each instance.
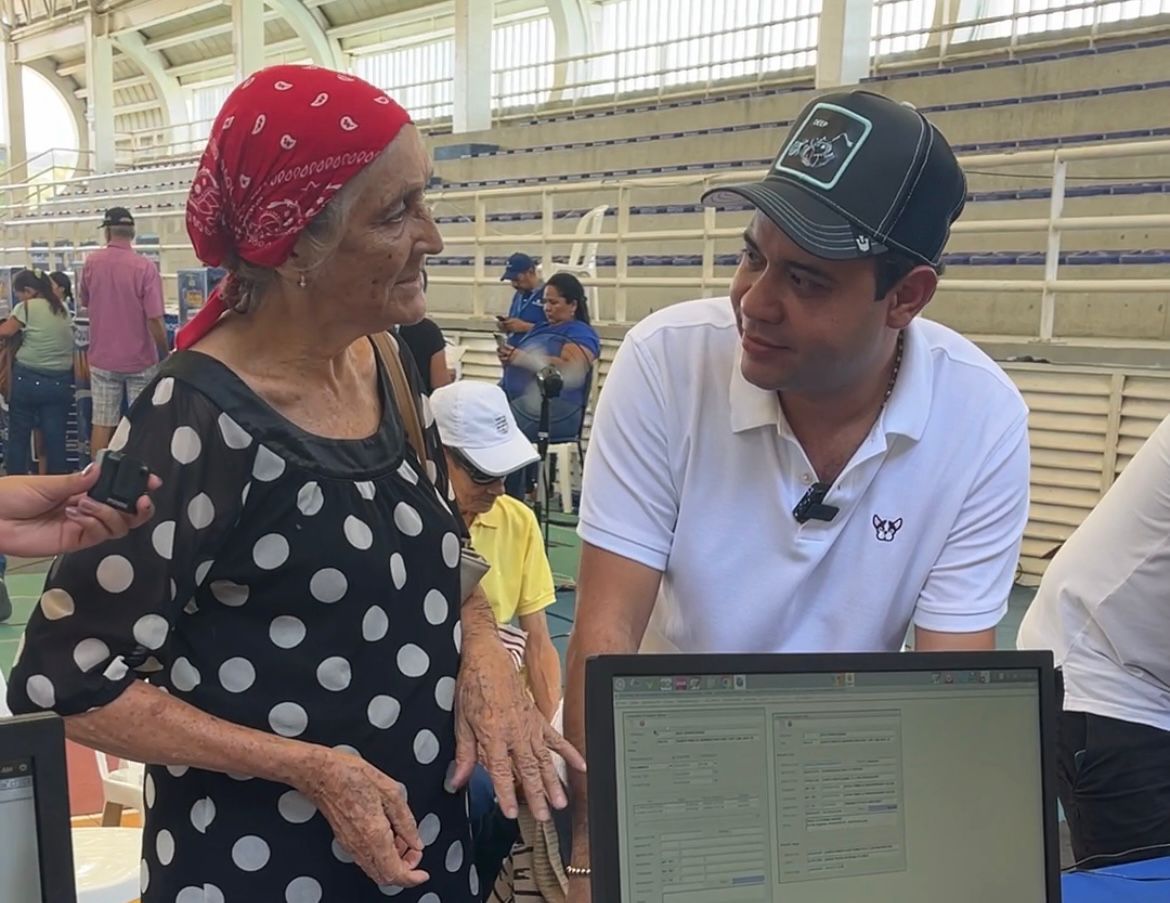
(517, 264)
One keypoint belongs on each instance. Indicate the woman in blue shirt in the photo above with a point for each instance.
(568, 344)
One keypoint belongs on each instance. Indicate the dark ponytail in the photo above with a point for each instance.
(63, 281)
(39, 283)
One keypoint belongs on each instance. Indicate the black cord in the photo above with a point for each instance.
(1076, 866)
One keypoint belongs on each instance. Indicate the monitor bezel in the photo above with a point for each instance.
(600, 672)
(41, 740)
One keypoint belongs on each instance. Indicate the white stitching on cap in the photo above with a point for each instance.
(831, 237)
(921, 170)
(827, 236)
(844, 232)
(922, 129)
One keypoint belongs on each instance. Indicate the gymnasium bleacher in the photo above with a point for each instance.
(654, 156)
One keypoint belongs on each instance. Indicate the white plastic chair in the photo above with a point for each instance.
(122, 788)
(583, 254)
(455, 359)
(107, 865)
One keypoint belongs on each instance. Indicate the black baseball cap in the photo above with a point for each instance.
(859, 175)
(117, 216)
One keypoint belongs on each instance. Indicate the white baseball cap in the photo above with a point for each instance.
(475, 419)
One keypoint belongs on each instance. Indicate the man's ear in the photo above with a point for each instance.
(908, 298)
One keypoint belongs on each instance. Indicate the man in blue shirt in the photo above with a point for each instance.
(527, 310)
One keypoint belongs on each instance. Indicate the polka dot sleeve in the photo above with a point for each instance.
(107, 613)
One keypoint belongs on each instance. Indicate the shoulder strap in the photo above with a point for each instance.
(404, 397)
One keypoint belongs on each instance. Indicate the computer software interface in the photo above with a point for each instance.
(20, 868)
(883, 787)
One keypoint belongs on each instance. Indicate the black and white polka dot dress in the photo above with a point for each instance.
(293, 584)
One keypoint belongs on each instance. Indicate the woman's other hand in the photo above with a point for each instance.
(43, 516)
(368, 813)
(496, 723)
(506, 355)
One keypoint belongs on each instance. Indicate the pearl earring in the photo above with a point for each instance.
(302, 282)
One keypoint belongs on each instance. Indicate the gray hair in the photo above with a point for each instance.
(316, 245)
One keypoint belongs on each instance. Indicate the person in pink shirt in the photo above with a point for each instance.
(127, 336)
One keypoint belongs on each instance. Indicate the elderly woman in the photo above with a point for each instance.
(286, 644)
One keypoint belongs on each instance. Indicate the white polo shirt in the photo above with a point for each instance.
(1103, 606)
(694, 472)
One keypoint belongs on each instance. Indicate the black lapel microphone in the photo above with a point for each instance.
(812, 506)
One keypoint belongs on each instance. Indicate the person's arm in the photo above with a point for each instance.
(542, 663)
(615, 598)
(153, 308)
(537, 593)
(514, 325)
(497, 724)
(367, 810)
(158, 332)
(83, 288)
(51, 515)
(629, 507)
(572, 356)
(966, 594)
(440, 372)
(10, 326)
(938, 641)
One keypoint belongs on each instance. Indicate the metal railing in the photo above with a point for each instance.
(691, 66)
(702, 237)
(963, 39)
(703, 232)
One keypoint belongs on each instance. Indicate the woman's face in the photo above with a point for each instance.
(375, 276)
(58, 289)
(24, 294)
(556, 308)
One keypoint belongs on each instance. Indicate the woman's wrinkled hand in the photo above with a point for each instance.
(506, 355)
(368, 813)
(44, 516)
(497, 724)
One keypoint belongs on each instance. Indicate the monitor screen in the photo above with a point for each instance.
(887, 786)
(36, 851)
(20, 861)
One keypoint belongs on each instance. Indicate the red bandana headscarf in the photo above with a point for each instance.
(286, 141)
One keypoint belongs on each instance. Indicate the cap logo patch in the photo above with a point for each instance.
(862, 243)
(824, 146)
(502, 425)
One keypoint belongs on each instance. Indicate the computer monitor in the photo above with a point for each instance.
(883, 778)
(36, 849)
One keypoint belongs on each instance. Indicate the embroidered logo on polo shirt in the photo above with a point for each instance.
(886, 529)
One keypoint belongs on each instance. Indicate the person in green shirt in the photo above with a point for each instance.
(42, 374)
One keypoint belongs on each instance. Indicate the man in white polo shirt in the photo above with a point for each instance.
(1104, 608)
(806, 466)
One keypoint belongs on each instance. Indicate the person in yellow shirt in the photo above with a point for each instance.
(484, 445)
